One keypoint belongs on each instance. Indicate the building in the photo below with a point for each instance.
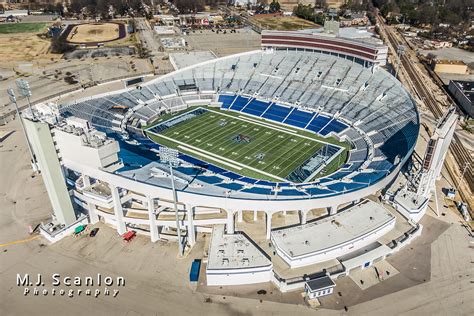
(351, 43)
(356, 18)
(243, 3)
(13, 13)
(104, 157)
(302, 245)
(319, 287)
(164, 30)
(412, 199)
(450, 67)
(438, 44)
(166, 20)
(235, 260)
(463, 93)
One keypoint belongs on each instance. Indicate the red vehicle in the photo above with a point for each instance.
(128, 236)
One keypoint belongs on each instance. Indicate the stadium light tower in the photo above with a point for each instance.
(25, 90)
(170, 156)
(11, 95)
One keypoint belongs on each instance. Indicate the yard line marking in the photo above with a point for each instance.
(209, 157)
(203, 152)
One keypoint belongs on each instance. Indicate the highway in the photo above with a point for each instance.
(459, 152)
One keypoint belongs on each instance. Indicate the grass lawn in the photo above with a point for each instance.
(265, 153)
(11, 28)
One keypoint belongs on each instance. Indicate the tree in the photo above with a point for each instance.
(274, 6)
(58, 46)
(189, 6)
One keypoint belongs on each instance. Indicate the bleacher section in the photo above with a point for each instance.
(320, 93)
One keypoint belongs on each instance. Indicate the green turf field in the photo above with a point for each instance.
(265, 152)
(11, 28)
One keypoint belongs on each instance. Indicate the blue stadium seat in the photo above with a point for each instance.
(277, 112)
(209, 179)
(291, 192)
(257, 190)
(369, 177)
(226, 100)
(239, 103)
(230, 186)
(334, 126)
(344, 187)
(318, 123)
(256, 107)
(318, 191)
(299, 118)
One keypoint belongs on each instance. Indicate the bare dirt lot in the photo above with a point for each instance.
(24, 47)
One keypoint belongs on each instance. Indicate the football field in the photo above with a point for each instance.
(252, 148)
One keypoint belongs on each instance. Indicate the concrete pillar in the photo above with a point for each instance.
(230, 222)
(190, 228)
(121, 229)
(332, 209)
(239, 216)
(303, 217)
(93, 217)
(255, 217)
(154, 235)
(269, 224)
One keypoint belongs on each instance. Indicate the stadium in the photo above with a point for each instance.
(274, 131)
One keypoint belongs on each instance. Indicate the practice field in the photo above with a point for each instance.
(259, 150)
(94, 33)
(12, 28)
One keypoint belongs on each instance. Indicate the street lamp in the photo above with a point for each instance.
(25, 90)
(170, 156)
(11, 95)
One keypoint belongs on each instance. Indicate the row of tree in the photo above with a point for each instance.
(110, 8)
(426, 12)
(307, 12)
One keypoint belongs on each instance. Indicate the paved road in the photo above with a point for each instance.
(147, 36)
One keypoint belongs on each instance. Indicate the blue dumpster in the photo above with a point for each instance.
(194, 273)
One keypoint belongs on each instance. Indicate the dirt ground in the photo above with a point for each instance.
(24, 47)
(93, 33)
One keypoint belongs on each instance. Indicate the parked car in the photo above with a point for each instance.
(94, 232)
(128, 236)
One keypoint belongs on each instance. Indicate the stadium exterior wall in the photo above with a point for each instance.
(220, 277)
(336, 251)
(368, 52)
(229, 203)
